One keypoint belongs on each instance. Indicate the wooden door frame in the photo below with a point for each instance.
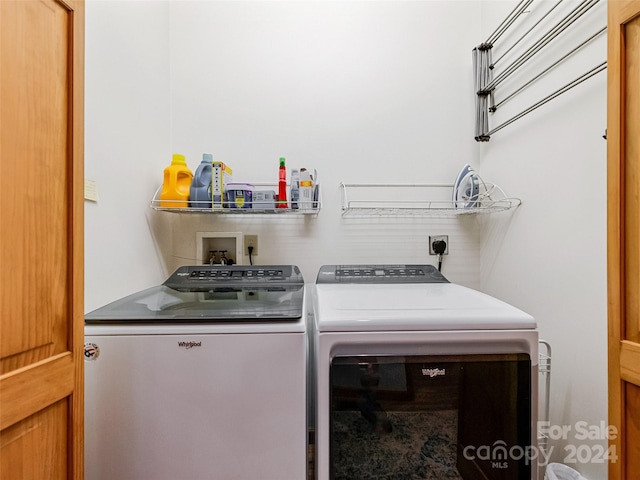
(624, 356)
(33, 387)
(76, 415)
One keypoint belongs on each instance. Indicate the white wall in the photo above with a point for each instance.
(127, 134)
(549, 257)
(363, 92)
(356, 90)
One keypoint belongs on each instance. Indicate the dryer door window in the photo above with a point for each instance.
(431, 417)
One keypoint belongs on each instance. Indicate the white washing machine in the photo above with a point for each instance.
(203, 377)
(420, 378)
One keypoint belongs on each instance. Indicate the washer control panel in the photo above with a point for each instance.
(247, 275)
(384, 274)
(198, 276)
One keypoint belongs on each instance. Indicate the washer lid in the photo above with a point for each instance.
(408, 307)
(209, 294)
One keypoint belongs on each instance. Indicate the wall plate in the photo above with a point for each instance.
(210, 241)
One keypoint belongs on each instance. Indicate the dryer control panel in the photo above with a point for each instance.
(384, 274)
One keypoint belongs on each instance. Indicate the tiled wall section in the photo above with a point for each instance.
(328, 238)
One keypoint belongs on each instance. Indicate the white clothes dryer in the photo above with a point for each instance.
(420, 378)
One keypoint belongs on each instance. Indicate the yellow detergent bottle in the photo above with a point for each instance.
(177, 183)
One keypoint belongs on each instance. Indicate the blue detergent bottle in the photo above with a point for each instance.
(200, 193)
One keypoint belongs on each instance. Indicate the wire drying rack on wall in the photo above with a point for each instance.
(490, 76)
(419, 199)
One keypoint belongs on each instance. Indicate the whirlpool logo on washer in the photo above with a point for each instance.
(189, 345)
(91, 352)
(434, 372)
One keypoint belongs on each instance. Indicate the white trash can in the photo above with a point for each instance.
(558, 471)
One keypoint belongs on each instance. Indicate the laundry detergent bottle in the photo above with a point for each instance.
(200, 194)
(306, 190)
(176, 184)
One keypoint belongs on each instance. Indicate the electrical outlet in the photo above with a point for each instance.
(435, 238)
(251, 241)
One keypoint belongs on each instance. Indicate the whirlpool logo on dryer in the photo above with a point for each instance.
(189, 345)
(434, 372)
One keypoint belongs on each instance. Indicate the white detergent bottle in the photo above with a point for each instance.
(306, 190)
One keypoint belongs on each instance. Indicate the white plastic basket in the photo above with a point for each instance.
(558, 471)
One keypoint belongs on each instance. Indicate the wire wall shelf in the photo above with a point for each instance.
(228, 208)
(419, 200)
